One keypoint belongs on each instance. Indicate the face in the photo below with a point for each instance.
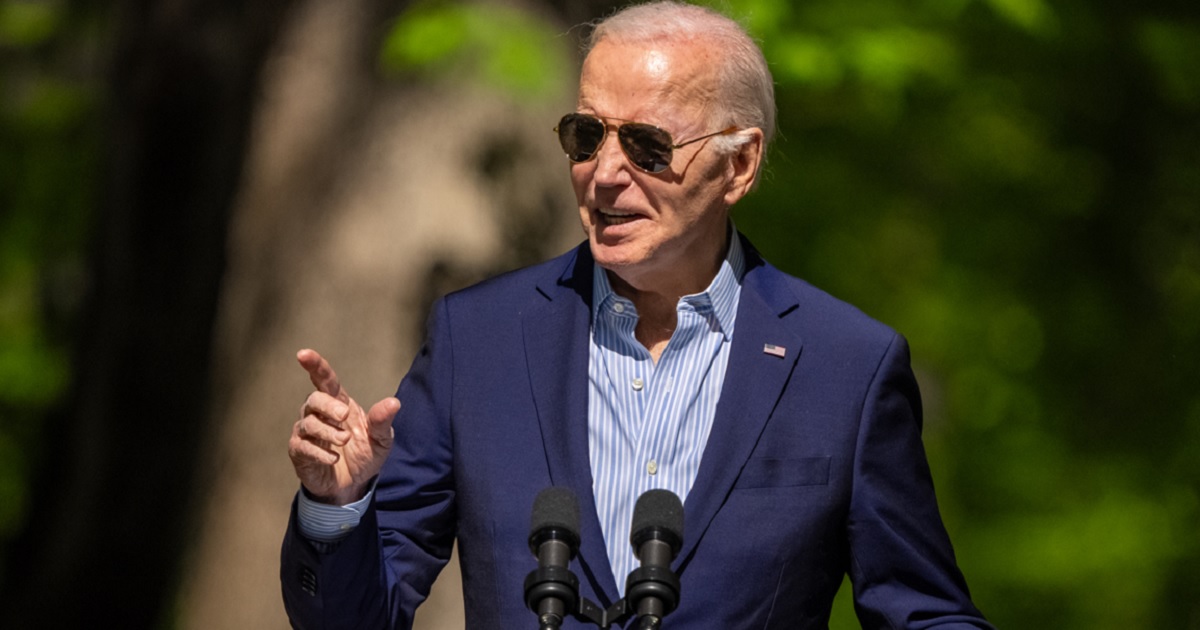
(662, 232)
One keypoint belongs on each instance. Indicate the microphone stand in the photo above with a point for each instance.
(649, 622)
(651, 591)
(562, 584)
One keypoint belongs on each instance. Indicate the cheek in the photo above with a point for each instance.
(581, 180)
(709, 191)
(585, 219)
(580, 184)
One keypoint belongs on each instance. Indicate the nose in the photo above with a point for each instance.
(612, 167)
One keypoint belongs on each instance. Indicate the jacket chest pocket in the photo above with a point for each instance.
(763, 472)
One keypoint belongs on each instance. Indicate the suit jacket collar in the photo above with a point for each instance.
(557, 339)
(754, 381)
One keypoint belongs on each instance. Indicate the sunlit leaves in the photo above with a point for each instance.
(1174, 51)
(1012, 184)
(494, 44)
(32, 370)
(1033, 16)
(809, 60)
(25, 23)
(47, 177)
(1104, 533)
(425, 35)
(1021, 200)
(33, 367)
(50, 105)
(894, 57)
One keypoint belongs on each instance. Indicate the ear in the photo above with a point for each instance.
(744, 164)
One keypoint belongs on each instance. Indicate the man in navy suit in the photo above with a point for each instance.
(662, 353)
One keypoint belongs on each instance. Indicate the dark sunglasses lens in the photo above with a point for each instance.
(580, 136)
(647, 146)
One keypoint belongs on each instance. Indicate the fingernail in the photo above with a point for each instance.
(340, 411)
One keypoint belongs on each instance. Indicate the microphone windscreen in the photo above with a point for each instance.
(657, 511)
(555, 507)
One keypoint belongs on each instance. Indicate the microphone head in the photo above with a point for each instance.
(555, 517)
(657, 515)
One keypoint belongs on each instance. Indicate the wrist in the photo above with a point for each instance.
(350, 495)
(337, 499)
(325, 523)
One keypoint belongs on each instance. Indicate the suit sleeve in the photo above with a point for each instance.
(902, 565)
(378, 575)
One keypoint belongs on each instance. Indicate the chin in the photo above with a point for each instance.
(614, 258)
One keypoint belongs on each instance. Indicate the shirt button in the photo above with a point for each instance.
(638, 384)
(652, 467)
(618, 307)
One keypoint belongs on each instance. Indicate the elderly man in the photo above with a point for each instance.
(662, 353)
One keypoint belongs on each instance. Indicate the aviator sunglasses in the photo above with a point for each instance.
(647, 147)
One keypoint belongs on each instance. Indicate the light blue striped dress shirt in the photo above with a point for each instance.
(648, 423)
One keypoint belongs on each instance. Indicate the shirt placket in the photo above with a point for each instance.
(665, 411)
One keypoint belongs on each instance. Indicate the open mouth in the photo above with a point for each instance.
(616, 217)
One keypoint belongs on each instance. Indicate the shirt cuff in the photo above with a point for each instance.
(326, 523)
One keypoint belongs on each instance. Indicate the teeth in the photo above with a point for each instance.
(612, 217)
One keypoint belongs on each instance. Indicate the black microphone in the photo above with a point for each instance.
(652, 591)
(552, 591)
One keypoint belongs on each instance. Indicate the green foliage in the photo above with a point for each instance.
(1012, 184)
(1174, 52)
(1021, 200)
(1032, 16)
(24, 24)
(492, 44)
(47, 173)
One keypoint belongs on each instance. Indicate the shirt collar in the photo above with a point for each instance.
(721, 296)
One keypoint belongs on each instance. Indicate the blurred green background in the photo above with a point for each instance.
(1012, 184)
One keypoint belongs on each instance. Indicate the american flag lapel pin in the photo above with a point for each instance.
(774, 350)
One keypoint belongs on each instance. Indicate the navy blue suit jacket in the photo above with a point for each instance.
(814, 468)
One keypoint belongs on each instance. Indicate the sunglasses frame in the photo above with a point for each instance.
(670, 143)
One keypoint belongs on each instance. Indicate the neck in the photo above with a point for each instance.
(656, 314)
(656, 304)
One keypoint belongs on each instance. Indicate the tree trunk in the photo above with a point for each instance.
(109, 519)
(363, 200)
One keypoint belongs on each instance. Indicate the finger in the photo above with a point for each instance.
(321, 373)
(311, 428)
(308, 454)
(379, 420)
(305, 453)
(327, 407)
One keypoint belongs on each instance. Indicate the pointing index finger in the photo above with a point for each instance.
(321, 374)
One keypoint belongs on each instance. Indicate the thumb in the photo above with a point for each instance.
(379, 421)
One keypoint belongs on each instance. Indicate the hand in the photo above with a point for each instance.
(336, 447)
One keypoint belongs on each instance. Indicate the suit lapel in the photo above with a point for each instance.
(556, 329)
(754, 381)
(556, 326)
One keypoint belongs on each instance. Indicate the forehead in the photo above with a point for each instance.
(647, 81)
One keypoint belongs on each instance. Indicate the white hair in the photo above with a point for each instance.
(745, 89)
